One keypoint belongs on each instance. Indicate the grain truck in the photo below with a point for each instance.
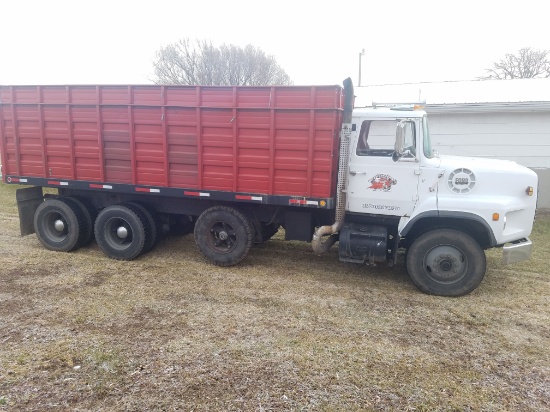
(235, 164)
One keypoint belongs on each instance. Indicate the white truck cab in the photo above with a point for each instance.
(445, 210)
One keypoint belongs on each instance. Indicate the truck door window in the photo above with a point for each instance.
(410, 140)
(428, 152)
(377, 138)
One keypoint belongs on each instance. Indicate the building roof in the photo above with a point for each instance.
(469, 95)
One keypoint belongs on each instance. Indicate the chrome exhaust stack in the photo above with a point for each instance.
(317, 243)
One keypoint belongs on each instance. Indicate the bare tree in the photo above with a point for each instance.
(201, 63)
(527, 63)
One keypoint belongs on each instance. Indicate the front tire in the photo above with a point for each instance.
(223, 235)
(446, 262)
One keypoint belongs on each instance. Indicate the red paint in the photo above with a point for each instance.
(265, 140)
(382, 182)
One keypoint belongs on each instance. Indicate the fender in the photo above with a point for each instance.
(454, 215)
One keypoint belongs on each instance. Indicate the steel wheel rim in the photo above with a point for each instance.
(50, 225)
(445, 264)
(113, 233)
(223, 237)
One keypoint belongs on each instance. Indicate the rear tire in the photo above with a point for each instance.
(223, 235)
(151, 226)
(446, 262)
(59, 225)
(120, 232)
(87, 230)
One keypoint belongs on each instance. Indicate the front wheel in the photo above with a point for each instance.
(446, 262)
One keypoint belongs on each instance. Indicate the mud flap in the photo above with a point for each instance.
(28, 200)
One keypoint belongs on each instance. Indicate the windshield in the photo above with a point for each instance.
(427, 144)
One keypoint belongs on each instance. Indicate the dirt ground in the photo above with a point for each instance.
(284, 330)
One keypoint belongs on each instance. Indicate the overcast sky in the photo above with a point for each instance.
(316, 42)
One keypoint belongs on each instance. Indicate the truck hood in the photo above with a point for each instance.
(489, 188)
(476, 176)
(481, 164)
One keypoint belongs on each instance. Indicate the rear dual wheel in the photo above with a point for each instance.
(125, 231)
(60, 224)
(151, 224)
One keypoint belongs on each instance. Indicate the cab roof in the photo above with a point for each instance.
(388, 112)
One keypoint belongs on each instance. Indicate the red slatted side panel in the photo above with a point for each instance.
(85, 131)
(182, 137)
(217, 149)
(21, 132)
(2, 133)
(56, 134)
(253, 144)
(253, 139)
(291, 152)
(149, 151)
(273, 140)
(217, 138)
(291, 146)
(29, 136)
(325, 159)
(116, 144)
(115, 134)
(9, 164)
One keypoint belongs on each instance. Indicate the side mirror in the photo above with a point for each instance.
(401, 152)
(399, 141)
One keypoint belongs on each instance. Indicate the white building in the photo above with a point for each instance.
(504, 119)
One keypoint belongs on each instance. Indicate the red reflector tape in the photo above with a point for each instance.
(303, 202)
(94, 186)
(196, 194)
(147, 190)
(16, 180)
(53, 182)
(243, 197)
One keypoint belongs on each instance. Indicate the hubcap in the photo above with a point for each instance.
(118, 233)
(59, 225)
(122, 232)
(223, 237)
(445, 264)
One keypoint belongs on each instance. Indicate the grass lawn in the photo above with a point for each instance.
(284, 330)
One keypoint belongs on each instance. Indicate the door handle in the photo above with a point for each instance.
(353, 173)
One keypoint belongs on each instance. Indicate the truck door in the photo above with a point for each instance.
(378, 182)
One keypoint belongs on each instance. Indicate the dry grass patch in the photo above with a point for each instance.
(285, 330)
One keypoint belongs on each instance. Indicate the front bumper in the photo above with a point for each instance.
(517, 251)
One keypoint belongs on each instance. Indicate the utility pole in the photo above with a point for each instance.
(360, 59)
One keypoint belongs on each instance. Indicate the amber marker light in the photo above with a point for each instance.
(322, 203)
(530, 190)
(496, 216)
